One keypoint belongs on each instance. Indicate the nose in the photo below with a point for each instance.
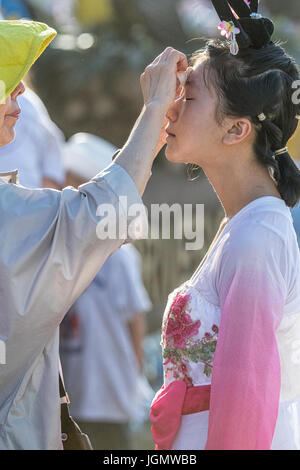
(19, 90)
(173, 111)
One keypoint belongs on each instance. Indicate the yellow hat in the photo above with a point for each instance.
(21, 44)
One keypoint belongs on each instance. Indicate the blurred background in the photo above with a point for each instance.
(89, 81)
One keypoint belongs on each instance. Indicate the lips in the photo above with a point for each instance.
(170, 134)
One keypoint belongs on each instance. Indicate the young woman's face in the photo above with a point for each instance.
(9, 112)
(194, 135)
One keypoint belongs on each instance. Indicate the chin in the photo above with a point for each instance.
(8, 137)
(173, 156)
(170, 155)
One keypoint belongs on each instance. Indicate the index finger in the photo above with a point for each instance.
(177, 57)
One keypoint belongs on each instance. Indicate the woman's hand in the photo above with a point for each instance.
(159, 85)
(159, 81)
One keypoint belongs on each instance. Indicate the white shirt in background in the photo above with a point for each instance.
(98, 360)
(37, 149)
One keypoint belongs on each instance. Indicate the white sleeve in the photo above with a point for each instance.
(50, 253)
(52, 159)
(48, 137)
(133, 297)
(246, 375)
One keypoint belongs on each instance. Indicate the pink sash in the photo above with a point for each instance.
(169, 404)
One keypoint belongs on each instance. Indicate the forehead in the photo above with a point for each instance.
(196, 77)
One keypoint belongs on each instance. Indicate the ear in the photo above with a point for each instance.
(237, 131)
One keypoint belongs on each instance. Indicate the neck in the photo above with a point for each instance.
(237, 186)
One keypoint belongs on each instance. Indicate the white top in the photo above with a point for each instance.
(98, 360)
(49, 255)
(256, 249)
(37, 148)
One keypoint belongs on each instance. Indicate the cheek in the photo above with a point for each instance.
(181, 148)
(195, 128)
(6, 137)
(196, 138)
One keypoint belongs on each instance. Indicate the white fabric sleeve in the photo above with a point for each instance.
(132, 296)
(52, 161)
(48, 138)
(246, 373)
(50, 253)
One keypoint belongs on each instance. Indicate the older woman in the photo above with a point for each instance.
(50, 251)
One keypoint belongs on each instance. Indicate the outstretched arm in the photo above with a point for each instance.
(159, 84)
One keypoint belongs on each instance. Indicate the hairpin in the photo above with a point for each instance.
(262, 117)
(229, 30)
(256, 16)
(281, 151)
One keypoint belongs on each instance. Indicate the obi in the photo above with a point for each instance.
(169, 404)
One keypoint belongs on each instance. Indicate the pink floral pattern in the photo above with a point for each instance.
(179, 345)
(180, 326)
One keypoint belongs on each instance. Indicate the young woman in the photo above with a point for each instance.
(231, 334)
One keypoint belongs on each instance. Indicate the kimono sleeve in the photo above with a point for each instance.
(246, 380)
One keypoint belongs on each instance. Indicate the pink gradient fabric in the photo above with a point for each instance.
(246, 380)
(169, 404)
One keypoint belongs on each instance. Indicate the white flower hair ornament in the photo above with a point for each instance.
(243, 25)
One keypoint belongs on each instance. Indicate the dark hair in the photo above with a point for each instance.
(253, 82)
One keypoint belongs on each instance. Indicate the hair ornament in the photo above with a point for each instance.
(229, 30)
(261, 117)
(255, 16)
(254, 30)
(281, 151)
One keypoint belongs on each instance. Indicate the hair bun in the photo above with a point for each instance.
(258, 30)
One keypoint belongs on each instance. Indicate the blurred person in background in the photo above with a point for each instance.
(102, 335)
(37, 148)
(93, 12)
(15, 9)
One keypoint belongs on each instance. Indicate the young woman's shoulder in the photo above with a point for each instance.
(260, 246)
(261, 234)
